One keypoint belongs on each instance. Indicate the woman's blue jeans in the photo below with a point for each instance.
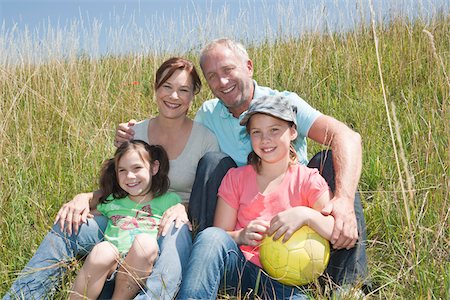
(43, 272)
(217, 263)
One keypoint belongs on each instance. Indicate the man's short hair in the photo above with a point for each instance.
(234, 46)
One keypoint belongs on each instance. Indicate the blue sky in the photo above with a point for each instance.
(101, 26)
(33, 12)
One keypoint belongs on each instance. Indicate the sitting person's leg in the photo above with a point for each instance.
(269, 288)
(214, 255)
(211, 169)
(43, 272)
(165, 279)
(136, 267)
(345, 266)
(217, 263)
(99, 265)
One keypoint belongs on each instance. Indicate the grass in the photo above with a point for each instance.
(58, 121)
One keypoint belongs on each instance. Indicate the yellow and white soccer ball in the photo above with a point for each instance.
(299, 261)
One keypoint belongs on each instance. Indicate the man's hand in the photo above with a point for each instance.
(124, 133)
(345, 231)
(74, 212)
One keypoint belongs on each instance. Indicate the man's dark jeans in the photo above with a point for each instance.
(345, 266)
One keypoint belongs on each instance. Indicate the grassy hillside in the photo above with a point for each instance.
(58, 119)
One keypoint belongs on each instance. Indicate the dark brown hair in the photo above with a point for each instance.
(177, 63)
(109, 184)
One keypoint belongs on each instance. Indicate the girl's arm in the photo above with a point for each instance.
(226, 218)
(290, 220)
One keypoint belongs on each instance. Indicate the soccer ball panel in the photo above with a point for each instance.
(298, 261)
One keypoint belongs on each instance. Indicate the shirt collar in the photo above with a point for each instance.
(258, 92)
(224, 112)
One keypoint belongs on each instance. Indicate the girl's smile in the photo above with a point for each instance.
(134, 175)
(267, 150)
(271, 137)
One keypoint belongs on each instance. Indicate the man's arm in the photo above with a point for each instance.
(347, 163)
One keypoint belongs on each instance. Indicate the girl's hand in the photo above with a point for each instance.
(74, 212)
(124, 132)
(177, 214)
(253, 233)
(288, 221)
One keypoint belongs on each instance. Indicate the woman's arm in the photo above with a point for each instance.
(75, 212)
(177, 214)
(290, 220)
(124, 132)
(226, 218)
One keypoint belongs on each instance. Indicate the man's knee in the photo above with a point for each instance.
(323, 161)
(213, 156)
(213, 160)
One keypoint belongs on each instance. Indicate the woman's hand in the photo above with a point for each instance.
(74, 212)
(288, 221)
(177, 214)
(124, 132)
(253, 233)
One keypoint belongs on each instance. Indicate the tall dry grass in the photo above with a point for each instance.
(58, 119)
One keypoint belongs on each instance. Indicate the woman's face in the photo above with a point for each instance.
(174, 96)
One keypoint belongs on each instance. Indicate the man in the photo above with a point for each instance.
(229, 71)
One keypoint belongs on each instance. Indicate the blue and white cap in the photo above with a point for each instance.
(276, 106)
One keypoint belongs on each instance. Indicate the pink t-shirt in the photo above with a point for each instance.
(301, 186)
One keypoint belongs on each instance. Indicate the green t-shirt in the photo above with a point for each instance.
(126, 218)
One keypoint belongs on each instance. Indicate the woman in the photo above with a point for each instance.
(176, 84)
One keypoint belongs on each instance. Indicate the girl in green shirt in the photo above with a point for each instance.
(134, 184)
